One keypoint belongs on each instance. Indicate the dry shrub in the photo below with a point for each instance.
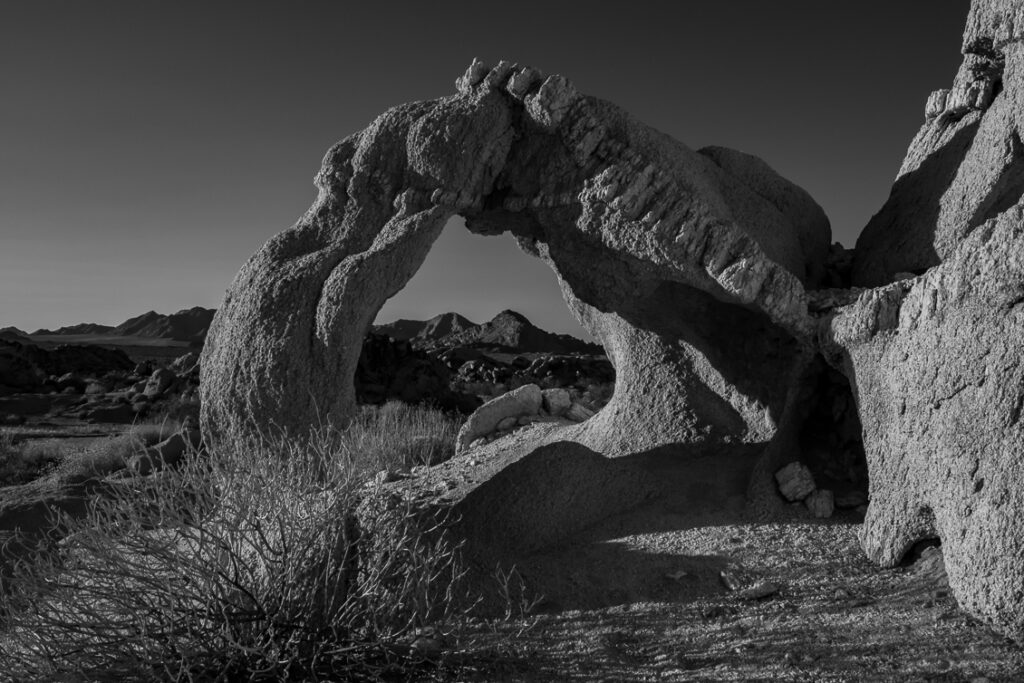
(244, 564)
(398, 436)
(111, 454)
(22, 462)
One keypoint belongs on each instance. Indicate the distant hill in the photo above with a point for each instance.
(80, 328)
(189, 324)
(443, 325)
(508, 329)
(425, 330)
(15, 335)
(513, 330)
(401, 329)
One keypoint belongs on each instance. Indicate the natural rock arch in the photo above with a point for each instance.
(688, 266)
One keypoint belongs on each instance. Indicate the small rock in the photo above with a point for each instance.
(795, 481)
(158, 382)
(820, 503)
(842, 594)
(556, 401)
(578, 412)
(427, 642)
(734, 577)
(95, 388)
(758, 591)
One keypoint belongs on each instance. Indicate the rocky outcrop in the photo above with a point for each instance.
(496, 413)
(940, 388)
(391, 369)
(25, 367)
(521, 407)
(934, 357)
(667, 256)
(966, 164)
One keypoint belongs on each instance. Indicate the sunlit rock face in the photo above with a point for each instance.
(935, 360)
(688, 266)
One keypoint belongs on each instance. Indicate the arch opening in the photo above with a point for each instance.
(479, 317)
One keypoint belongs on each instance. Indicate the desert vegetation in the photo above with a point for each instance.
(247, 564)
(23, 460)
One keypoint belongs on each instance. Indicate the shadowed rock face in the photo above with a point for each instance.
(689, 267)
(966, 164)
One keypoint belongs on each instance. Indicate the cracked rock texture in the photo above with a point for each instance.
(966, 164)
(667, 255)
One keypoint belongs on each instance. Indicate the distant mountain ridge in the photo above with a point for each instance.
(80, 328)
(508, 329)
(14, 334)
(189, 324)
(425, 330)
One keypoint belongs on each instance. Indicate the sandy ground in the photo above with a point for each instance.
(653, 606)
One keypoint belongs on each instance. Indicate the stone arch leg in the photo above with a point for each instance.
(320, 318)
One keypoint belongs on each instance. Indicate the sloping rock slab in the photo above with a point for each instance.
(509, 502)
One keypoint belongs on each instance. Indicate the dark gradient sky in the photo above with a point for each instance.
(148, 148)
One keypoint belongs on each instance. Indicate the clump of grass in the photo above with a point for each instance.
(398, 436)
(112, 454)
(243, 564)
(22, 462)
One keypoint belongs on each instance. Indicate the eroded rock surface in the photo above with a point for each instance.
(692, 251)
(940, 389)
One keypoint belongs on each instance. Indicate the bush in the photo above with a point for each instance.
(397, 437)
(111, 454)
(244, 564)
(20, 463)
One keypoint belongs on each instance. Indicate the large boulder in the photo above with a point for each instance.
(666, 255)
(966, 164)
(526, 400)
(940, 388)
(935, 360)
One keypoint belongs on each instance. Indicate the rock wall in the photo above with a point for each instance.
(936, 366)
(934, 360)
